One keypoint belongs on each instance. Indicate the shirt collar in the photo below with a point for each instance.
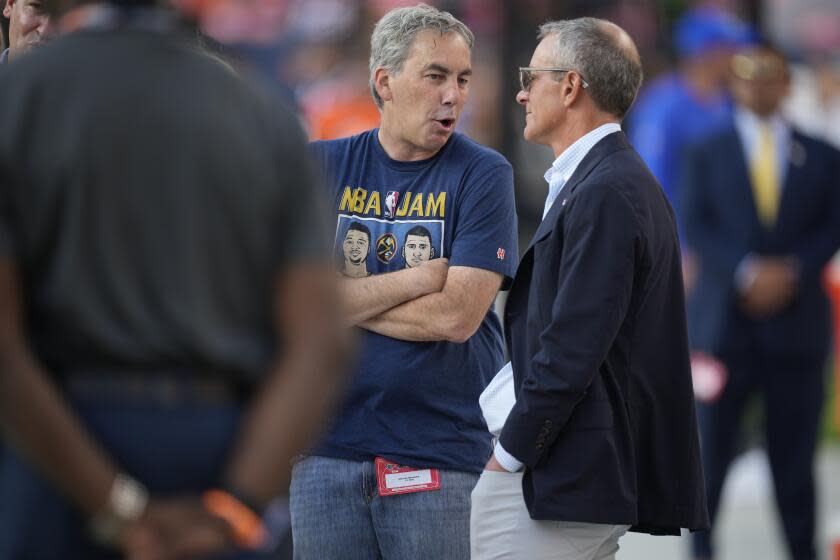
(4, 57)
(567, 162)
(748, 122)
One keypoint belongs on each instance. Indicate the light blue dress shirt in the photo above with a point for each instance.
(567, 162)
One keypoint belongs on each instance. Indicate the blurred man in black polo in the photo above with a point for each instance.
(168, 324)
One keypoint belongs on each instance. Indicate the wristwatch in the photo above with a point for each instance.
(126, 503)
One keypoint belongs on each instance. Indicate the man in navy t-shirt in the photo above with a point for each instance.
(392, 478)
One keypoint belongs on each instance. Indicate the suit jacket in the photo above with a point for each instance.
(722, 227)
(595, 321)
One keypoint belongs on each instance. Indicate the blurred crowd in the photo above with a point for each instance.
(316, 51)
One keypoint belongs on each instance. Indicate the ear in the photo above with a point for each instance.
(7, 9)
(572, 88)
(432, 254)
(381, 81)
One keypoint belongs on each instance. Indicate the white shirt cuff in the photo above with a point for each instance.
(745, 273)
(508, 461)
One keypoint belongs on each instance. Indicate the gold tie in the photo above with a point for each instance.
(764, 176)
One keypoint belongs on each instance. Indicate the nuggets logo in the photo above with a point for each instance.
(386, 247)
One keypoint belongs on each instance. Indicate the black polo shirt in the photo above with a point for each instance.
(149, 198)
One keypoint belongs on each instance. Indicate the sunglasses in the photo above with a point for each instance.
(526, 76)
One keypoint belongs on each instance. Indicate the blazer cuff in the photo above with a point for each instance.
(508, 461)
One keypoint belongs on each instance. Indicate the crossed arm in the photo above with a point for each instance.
(452, 312)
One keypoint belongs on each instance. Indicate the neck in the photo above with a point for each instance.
(396, 146)
(761, 115)
(578, 128)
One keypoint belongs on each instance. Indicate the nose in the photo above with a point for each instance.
(451, 92)
(522, 97)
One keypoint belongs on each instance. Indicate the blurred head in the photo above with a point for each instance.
(58, 8)
(30, 25)
(702, 30)
(707, 37)
(417, 247)
(419, 75)
(760, 79)
(590, 67)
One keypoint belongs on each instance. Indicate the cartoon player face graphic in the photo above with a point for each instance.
(356, 248)
(417, 247)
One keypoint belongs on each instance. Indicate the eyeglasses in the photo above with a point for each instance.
(526, 76)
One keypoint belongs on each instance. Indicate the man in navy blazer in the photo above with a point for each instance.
(762, 212)
(604, 423)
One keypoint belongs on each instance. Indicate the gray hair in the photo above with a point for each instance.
(395, 32)
(613, 71)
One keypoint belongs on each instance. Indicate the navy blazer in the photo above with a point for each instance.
(722, 227)
(595, 322)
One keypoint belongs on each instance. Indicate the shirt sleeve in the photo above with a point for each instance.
(301, 233)
(508, 461)
(485, 235)
(654, 139)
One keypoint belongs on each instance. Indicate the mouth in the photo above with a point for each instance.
(446, 124)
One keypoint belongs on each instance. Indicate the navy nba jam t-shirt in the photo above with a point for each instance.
(416, 403)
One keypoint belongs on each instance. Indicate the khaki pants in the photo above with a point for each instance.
(502, 529)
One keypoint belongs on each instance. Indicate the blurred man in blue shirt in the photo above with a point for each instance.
(681, 107)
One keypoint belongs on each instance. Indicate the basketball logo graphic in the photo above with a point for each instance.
(391, 200)
(386, 247)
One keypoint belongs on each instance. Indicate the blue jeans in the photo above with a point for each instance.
(338, 514)
(172, 449)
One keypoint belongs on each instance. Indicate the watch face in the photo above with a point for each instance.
(126, 503)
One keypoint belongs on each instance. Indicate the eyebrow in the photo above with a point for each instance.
(444, 70)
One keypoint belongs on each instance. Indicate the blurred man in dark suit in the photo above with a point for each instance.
(762, 212)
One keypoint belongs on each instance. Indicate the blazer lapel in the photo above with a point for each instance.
(794, 175)
(609, 144)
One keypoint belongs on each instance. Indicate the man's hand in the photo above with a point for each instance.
(773, 287)
(494, 465)
(174, 529)
(690, 270)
